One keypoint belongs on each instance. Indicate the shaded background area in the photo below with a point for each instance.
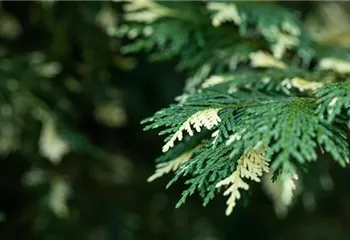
(63, 79)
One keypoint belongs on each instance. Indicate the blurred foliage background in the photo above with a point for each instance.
(74, 159)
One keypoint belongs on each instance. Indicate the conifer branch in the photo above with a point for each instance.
(252, 94)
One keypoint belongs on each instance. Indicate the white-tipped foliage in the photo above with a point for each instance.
(51, 144)
(250, 166)
(224, 13)
(58, 197)
(334, 64)
(263, 59)
(173, 165)
(282, 192)
(251, 83)
(207, 118)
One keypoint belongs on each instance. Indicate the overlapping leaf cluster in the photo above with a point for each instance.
(252, 62)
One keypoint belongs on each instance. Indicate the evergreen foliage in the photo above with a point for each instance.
(260, 90)
(55, 77)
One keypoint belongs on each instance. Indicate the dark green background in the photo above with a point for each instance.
(131, 209)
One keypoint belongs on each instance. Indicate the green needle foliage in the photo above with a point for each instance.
(261, 94)
(334, 101)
